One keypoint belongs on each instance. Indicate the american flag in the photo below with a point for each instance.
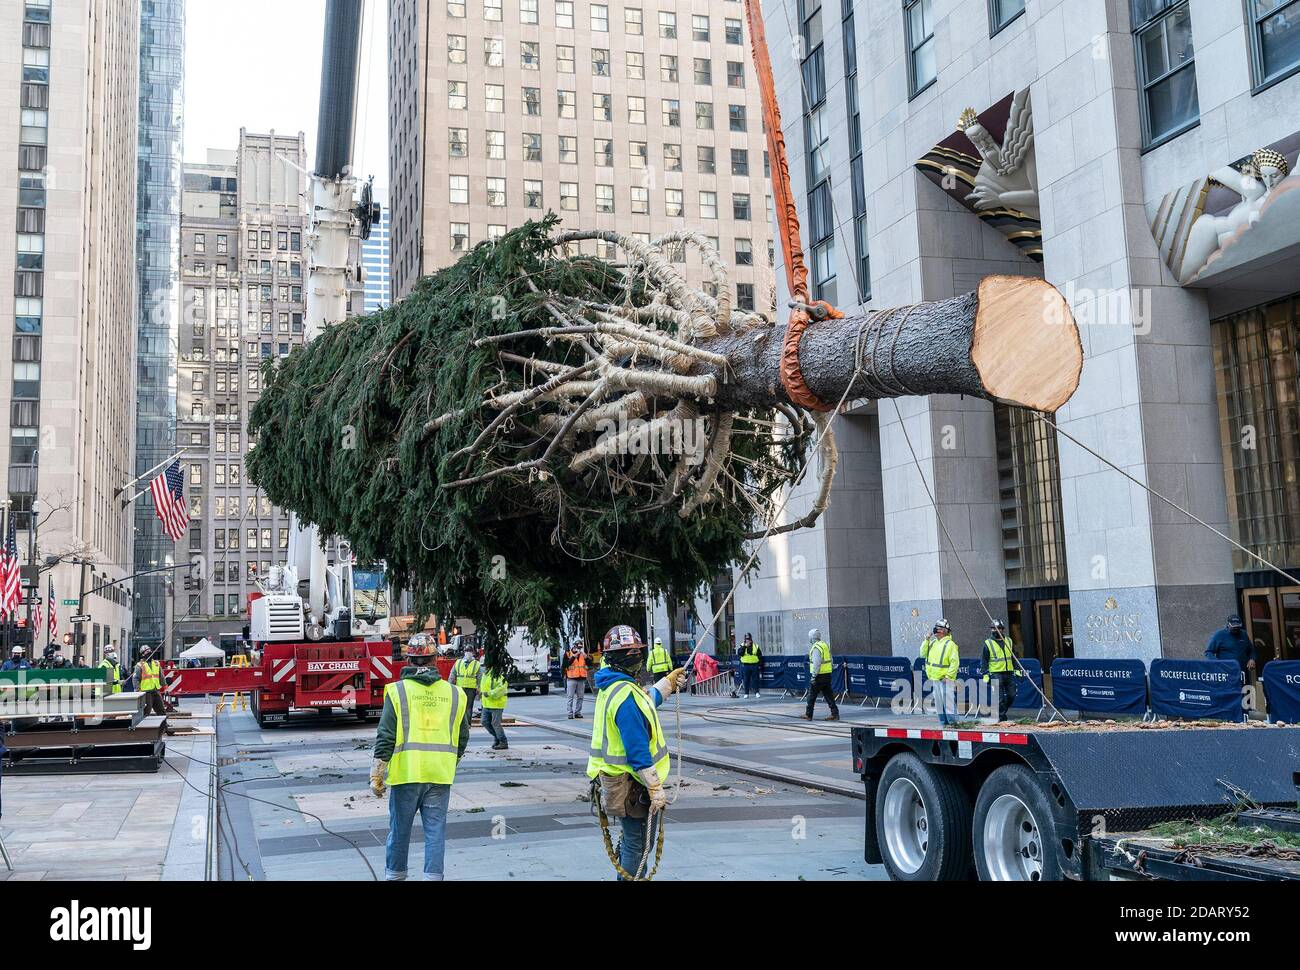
(168, 491)
(54, 613)
(36, 618)
(10, 588)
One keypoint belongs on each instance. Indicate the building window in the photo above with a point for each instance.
(640, 200)
(492, 10)
(700, 28)
(673, 205)
(457, 95)
(528, 11)
(600, 17)
(736, 117)
(740, 207)
(530, 55)
(459, 237)
(735, 74)
(672, 158)
(708, 205)
(923, 64)
(456, 8)
(739, 161)
(706, 159)
(604, 152)
(667, 25)
(1166, 69)
(668, 68)
(532, 193)
(458, 142)
(672, 113)
(456, 49)
(496, 192)
(745, 296)
(564, 59)
(564, 13)
(569, 196)
(638, 153)
(633, 22)
(532, 147)
(704, 116)
(533, 101)
(569, 149)
(568, 103)
(494, 51)
(1002, 12)
(635, 66)
(703, 72)
(635, 110)
(599, 62)
(495, 98)
(604, 198)
(823, 270)
(458, 193)
(1275, 39)
(744, 252)
(602, 107)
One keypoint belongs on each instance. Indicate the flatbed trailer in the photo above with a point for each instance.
(1047, 804)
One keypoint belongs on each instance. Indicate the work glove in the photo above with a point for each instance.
(377, 771)
(671, 682)
(654, 788)
(986, 678)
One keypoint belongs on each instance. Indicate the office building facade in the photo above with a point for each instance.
(1139, 154)
(68, 299)
(375, 256)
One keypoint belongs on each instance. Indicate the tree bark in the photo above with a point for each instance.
(1012, 340)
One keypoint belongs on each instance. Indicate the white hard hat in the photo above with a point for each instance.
(943, 623)
(814, 634)
(16, 650)
(658, 642)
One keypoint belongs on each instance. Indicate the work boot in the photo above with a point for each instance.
(806, 717)
(570, 717)
(832, 717)
(505, 746)
(578, 715)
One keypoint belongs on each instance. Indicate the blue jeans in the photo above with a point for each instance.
(631, 844)
(403, 802)
(492, 721)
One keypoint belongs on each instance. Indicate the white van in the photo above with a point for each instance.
(532, 662)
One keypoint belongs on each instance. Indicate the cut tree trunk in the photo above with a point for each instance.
(1012, 340)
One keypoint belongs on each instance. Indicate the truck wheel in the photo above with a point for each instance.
(923, 822)
(1013, 832)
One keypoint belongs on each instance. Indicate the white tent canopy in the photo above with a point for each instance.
(203, 650)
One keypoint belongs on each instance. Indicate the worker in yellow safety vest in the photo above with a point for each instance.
(629, 760)
(464, 674)
(149, 681)
(660, 660)
(1000, 667)
(493, 689)
(820, 668)
(113, 677)
(423, 732)
(751, 662)
(940, 655)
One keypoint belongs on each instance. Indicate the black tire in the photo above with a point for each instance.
(546, 689)
(1013, 830)
(528, 691)
(935, 847)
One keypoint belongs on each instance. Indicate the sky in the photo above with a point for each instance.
(255, 64)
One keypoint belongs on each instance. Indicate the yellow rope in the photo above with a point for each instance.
(599, 805)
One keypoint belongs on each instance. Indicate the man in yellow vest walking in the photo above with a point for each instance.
(465, 674)
(941, 657)
(149, 681)
(660, 660)
(423, 732)
(1000, 667)
(493, 689)
(113, 678)
(820, 668)
(629, 752)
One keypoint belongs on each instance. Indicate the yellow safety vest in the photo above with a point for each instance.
(941, 663)
(608, 756)
(825, 667)
(467, 673)
(150, 675)
(491, 684)
(114, 683)
(660, 660)
(1001, 656)
(428, 729)
(749, 655)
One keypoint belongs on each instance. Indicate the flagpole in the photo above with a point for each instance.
(128, 484)
(4, 541)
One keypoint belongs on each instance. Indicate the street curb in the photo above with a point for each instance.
(741, 767)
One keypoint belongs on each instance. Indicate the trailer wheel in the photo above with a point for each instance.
(922, 822)
(1014, 832)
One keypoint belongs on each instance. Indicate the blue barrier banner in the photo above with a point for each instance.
(837, 676)
(771, 673)
(1282, 690)
(1197, 689)
(875, 676)
(796, 673)
(1027, 698)
(1100, 686)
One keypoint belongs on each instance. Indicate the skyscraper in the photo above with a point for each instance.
(68, 294)
(375, 255)
(638, 120)
(158, 214)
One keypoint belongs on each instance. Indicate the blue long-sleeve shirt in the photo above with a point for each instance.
(633, 727)
(1231, 645)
